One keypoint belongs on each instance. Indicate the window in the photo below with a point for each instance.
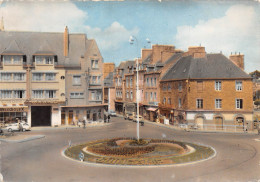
(19, 76)
(151, 96)
(98, 95)
(155, 82)
(151, 82)
(200, 86)
(154, 96)
(50, 94)
(94, 63)
(19, 94)
(146, 95)
(131, 82)
(6, 94)
(180, 86)
(169, 87)
(179, 102)
(17, 60)
(239, 103)
(127, 82)
(131, 95)
(76, 80)
(48, 60)
(99, 79)
(169, 101)
(94, 78)
(218, 85)
(99, 114)
(164, 87)
(164, 100)
(6, 76)
(238, 85)
(39, 60)
(92, 95)
(76, 95)
(37, 76)
(218, 103)
(7, 59)
(88, 114)
(38, 94)
(127, 95)
(147, 82)
(50, 76)
(199, 103)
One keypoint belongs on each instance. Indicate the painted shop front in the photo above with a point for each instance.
(70, 115)
(11, 114)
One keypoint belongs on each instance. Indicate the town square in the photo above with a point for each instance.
(129, 91)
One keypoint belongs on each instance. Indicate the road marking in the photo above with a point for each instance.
(257, 139)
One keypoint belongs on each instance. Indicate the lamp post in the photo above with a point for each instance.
(133, 39)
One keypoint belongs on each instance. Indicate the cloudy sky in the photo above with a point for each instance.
(227, 26)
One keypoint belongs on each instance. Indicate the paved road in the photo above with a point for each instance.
(237, 157)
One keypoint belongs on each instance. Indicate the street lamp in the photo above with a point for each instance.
(133, 39)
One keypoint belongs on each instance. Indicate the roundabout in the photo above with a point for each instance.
(145, 152)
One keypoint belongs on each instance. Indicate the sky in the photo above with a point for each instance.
(221, 26)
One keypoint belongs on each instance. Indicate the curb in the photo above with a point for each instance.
(65, 128)
(136, 166)
(23, 140)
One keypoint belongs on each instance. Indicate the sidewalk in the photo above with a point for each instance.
(193, 130)
(36, 128)
(21, 138)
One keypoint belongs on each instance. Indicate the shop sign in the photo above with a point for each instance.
(14, 109)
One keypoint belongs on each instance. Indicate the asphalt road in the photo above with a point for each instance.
(237, 157)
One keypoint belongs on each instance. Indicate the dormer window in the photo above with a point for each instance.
(44, 59)
(12, 59)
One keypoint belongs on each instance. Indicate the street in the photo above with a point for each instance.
(237, 156)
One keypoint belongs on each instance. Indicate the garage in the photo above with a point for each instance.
(41, 115)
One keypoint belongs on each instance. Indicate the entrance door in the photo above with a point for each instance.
(70, 116)
(199, 122)
(219, 123)
(63, 115)
(41, 115)
(94, 116)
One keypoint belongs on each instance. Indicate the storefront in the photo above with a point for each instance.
(70, 115)
(11, 114)
(119, 107)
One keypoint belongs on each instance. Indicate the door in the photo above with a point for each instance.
(70, 116)
(199, 122)
(63, 115)
(219, 123)
(41, 115)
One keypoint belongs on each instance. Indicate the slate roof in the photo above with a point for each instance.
(212, 66)
(108, 81)
(31, 43)
(124, 66)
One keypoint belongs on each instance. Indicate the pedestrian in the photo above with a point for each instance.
(20, 126)
(108, 118)
(105, 118)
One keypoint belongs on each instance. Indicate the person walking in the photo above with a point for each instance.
(20, 126)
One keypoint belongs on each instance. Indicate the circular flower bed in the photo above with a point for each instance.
(129, 151)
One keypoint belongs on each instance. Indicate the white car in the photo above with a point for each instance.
(15, 127)
(112, 113)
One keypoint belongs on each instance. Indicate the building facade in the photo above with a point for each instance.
(208, 90)
(50, 79)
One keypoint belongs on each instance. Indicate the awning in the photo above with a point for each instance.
(151, 109)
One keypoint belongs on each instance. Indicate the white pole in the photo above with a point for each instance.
(137, 98)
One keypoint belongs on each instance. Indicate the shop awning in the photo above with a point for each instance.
(151, 109)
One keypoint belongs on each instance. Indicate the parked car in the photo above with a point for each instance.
(15, 127)
(112, 113)
(129, 116)
(140, 118)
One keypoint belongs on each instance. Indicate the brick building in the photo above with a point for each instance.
(50, 79)
(207, 90)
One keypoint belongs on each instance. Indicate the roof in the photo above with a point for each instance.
(108, 81)
(212, 66)
(147, 59)
(32, 43)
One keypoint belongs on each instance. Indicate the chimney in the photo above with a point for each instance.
(66, 42)
(238, 59)
(145, 53)
(197, 51)
(162, 52)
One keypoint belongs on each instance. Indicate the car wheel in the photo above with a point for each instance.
(10, 130)
(24, 129)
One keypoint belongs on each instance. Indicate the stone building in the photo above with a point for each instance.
(208, 90)
(49, 79)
